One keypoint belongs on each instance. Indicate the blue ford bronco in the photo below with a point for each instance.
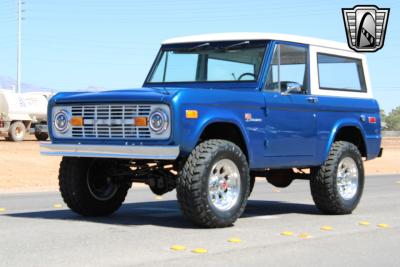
(214, 112)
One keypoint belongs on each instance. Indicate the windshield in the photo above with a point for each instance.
(209, 62)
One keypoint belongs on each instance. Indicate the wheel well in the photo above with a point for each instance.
(226, 131)
(352, 135)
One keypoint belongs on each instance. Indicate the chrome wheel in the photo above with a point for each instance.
(224, 185)
(100, 185)
(19, 133)
(347, 178)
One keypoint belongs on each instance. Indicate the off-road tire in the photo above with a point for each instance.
(76, 194)
(323, 181)
(192, 185)
(252, 183)
(12, 133)
(41, 136)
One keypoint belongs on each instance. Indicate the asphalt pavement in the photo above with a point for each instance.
(280, 227)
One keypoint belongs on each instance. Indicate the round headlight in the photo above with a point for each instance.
(61, 121)
(158, 121)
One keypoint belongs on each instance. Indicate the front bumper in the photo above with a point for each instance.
(106, 151)
(4, 128)
(3, 132)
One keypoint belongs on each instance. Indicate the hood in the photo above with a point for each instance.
(144, 94)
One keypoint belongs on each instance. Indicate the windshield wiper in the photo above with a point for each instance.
(237, 44)
(199, 46)
(191, 49)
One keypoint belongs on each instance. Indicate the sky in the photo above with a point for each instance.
(73, 44)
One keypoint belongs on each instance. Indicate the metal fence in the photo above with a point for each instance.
(390, 133)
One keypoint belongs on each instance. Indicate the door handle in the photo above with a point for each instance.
(312, 99)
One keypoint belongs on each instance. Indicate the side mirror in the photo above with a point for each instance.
(292, 88)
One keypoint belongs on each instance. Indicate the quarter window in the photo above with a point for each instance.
(340, 73)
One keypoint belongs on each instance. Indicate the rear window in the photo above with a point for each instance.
(340, 73)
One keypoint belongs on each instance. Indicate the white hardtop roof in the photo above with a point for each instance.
(244, 36)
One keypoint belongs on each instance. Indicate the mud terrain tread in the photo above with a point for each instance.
(323, 181)
(193, 202)
(77, 197)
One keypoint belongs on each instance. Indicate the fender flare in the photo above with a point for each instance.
(234, 122)
(336, 128)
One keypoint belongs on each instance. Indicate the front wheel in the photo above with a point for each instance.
(337, 186)
(88, 187)
(213, 186)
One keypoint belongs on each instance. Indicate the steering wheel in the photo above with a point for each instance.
(247, 74)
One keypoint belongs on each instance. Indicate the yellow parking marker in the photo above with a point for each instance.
(234, 240)
(57, 206)
(2, 209)
(287, 233)
(304, 235)
(364, 223)
(158, 197)
(199, 250)
(327, 228)
(383, 225)
(178, 247)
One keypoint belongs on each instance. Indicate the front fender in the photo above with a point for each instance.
(217, 106)
(193, 128)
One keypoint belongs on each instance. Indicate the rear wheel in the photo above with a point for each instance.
(42, 136)
(88, 188)
(17, 131)
(214, 184)
(337, 186)
(252, 183)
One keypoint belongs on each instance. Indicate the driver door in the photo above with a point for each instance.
(291, 112)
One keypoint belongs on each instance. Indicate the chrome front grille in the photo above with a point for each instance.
(110, 121)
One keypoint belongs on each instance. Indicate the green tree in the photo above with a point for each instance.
(383, 120)
(393, 120)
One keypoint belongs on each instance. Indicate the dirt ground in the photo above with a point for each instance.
(23, 169)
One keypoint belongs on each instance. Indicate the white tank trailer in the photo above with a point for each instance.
(23, 113)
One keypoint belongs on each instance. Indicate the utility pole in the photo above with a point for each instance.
(19, 18)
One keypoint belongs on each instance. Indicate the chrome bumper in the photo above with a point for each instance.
(106, 151)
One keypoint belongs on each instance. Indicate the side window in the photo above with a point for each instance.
(288, 70)
(340, 73)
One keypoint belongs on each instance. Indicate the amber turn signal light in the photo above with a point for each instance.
(140, 121)
(192, 114)
(76, 121)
